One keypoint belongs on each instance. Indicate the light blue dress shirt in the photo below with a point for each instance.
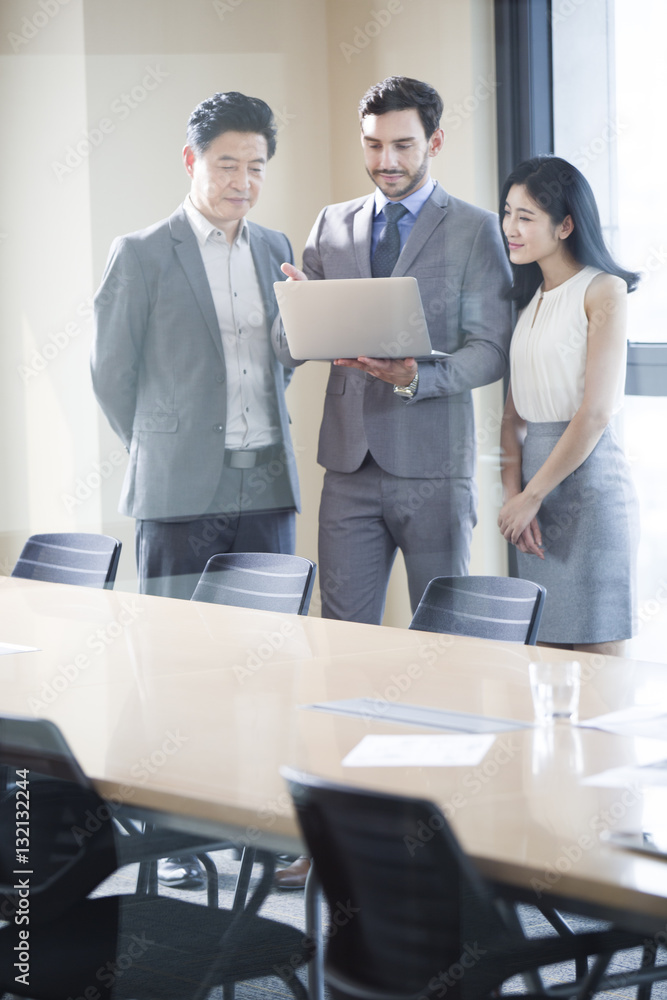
(414, 204)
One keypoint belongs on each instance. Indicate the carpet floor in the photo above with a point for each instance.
(287, 906)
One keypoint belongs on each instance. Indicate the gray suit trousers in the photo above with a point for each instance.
(367, 515)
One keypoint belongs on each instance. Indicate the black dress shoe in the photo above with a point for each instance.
(183, 872)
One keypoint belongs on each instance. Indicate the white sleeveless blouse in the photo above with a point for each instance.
(548, 352)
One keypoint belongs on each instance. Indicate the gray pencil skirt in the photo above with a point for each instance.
(590, 532)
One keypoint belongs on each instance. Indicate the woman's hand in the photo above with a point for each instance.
(518, 523)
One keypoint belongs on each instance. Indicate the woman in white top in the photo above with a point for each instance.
(569, 504)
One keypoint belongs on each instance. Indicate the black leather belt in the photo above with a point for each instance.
(246, 458)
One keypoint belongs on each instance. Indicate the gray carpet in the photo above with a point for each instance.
(287, 907)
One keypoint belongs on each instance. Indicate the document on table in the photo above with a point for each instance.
(427, 716)
(419, 750)
(649, 721)
(6, 647)
(649, 767)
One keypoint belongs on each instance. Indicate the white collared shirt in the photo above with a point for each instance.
(252, 412)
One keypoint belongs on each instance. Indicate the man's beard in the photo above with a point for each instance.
(411, 181)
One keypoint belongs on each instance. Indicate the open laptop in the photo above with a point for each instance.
(354, 317)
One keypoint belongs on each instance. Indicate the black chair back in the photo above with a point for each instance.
(265, 581)
(412, 919)
(88, 560)
(66, 842)
(485, 607)
(163, 948)
(405, 902)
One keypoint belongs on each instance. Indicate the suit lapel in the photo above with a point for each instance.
(261, 256)
(188, 253)
(430, 217)
(362, 230)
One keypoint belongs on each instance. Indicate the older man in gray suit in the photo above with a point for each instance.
(397, 437)
(183, 365)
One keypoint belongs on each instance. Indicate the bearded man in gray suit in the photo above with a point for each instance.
(183, 364)
(397, 437)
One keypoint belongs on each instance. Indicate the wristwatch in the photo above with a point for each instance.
(408, 391)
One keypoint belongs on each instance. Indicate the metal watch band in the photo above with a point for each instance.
(409, 390)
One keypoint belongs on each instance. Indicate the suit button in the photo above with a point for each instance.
(218, 427)
(220, 378)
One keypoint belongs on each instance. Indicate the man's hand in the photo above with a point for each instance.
(293, 273)
(394, 371)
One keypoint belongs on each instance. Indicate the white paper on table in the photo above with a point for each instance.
(649, 768)
(626, 777)
(421, 750)
(6, 647)
(638, 720)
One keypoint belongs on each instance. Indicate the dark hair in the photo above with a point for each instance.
(230, 112)
(560, 189)
(399, 93)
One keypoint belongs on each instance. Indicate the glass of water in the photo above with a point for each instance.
(555, 690)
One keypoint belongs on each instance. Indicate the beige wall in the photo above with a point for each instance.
(124, 74)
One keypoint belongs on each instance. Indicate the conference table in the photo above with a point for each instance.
(186, 711)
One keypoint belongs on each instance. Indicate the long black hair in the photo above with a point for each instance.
(560, 189)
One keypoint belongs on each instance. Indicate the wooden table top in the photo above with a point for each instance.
(189, 709)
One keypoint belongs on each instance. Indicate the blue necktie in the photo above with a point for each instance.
(389, 245)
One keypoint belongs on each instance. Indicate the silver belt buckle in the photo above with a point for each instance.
(242, 459)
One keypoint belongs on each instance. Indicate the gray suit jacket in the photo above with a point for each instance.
(455, 251)
(159, 370)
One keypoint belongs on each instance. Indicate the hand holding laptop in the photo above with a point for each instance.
(335, 310)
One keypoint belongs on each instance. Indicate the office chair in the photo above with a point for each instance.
(265, 581)
(125, 946)
(412, 917)
(485, 607)
(88, 560)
